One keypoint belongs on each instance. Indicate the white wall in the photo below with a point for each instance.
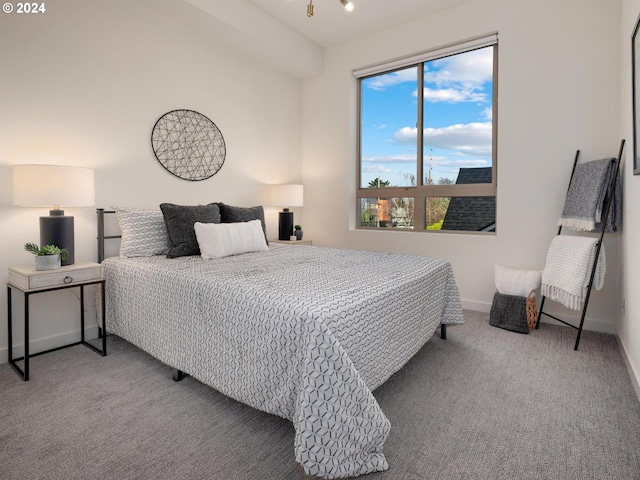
(558, 91)
(84, 83)
(629, 326)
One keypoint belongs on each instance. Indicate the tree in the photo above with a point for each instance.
(381, 212)
(368, 215)
(400, 210)
(437, 207)
(378, 183)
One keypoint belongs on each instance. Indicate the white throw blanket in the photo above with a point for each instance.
(567, 270)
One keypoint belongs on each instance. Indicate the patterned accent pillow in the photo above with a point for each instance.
(231, 214)
(180, 219)
(225, 239)
(143, 232)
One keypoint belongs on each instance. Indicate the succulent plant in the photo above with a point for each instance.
(46, 250)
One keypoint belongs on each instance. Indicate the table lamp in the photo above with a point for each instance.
(285, 196)
(54, 185)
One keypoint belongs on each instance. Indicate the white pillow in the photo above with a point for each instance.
(217, 240)
(143, 232)
(510, 281)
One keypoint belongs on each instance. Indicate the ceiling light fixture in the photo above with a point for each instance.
(347, 4)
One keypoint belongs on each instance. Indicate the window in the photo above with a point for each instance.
(441, 176)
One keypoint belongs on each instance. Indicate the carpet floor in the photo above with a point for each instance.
(484, 404)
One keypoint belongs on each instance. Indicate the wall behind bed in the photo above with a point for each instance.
(84, 83)
(559, 70)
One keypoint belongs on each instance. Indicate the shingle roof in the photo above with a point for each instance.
(471, 213)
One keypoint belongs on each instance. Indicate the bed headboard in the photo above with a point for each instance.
(101, 212)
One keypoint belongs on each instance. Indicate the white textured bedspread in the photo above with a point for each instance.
(303, 332)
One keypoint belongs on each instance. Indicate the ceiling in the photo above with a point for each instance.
(280, 33)
(332, 24)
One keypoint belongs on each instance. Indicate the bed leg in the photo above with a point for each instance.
(178, 375)
(443, 331)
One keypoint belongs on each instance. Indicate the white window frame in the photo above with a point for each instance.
(421, 192)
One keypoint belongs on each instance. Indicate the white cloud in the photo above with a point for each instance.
(471, 69)
(458, 78)
(391, 159)
(375, 169)
(446, 162)
(380, 82)
(488, 113)
(470, 138)
(377, 164)
(453, 95)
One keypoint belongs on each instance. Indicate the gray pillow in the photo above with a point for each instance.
(230, 214)
(180, 220)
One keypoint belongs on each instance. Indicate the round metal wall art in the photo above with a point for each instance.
(188, 145)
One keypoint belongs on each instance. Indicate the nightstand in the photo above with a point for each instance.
(292, 242)
(30, 281)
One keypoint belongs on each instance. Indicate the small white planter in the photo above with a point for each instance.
(47, 262)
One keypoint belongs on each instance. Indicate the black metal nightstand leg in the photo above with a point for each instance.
(102, 352)
(104, 319)
(12, 362)
(9, 329)
(82, 314)
(26, 337)
(24, 374)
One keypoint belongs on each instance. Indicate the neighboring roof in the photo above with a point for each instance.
(474, 175)
(475, 214)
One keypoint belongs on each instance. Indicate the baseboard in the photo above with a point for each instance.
(48, 343)
(476, 306)
(591, 324)
(634, 374)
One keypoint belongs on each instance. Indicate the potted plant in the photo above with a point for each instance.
(48, 257)
(297, 231)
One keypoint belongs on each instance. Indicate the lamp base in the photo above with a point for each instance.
(285, 225)
(58, 230)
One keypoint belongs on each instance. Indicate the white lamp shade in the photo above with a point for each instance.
(285, 195)
(47, 185)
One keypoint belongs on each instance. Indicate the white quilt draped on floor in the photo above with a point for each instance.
(302, 332)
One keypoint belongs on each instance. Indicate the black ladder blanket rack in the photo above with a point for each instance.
(605, 216)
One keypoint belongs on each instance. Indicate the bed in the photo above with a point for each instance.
(303, 332)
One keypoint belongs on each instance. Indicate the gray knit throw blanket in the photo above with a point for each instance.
(587, 197)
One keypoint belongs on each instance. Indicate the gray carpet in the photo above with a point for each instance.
(484, 404)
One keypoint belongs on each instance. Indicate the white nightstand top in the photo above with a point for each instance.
(27, 278)
(292, 242)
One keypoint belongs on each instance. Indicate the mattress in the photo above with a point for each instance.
(303, 332)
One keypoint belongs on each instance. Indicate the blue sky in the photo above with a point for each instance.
(457, 119)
